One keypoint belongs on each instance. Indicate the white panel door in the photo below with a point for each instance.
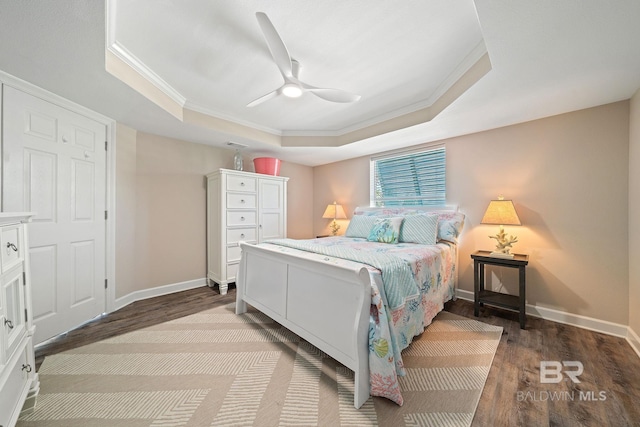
(54, 165)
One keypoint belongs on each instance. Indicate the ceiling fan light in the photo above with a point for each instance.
(291, 90)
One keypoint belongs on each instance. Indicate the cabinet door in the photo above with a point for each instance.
(271, 210)
(14, 321)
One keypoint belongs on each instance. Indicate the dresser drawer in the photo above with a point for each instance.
(11, 250)
(232, 271)
(240, 201)
(233, 253)
(14, 390)
(237, 234)
(241, 183)
(239, 218)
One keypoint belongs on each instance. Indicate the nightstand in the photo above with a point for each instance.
(483, 296)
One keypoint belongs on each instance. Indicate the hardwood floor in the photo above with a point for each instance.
(608, 392)
(607, 395)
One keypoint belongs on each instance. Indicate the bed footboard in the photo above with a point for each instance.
(325, 304)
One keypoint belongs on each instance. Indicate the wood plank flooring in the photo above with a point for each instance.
(608, 393)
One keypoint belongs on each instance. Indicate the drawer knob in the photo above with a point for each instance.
(242, 184)
(242, 235)
(242, 201)
(12, 246)
(241, 218)
(26, 367)
(9, 323)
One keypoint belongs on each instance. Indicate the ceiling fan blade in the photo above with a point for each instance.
(263, 98)
(289, 69)
(277, 47)
(333, 95)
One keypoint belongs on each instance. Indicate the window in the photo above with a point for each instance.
(414, 178)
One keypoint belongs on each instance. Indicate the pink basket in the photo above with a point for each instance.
(267, 165)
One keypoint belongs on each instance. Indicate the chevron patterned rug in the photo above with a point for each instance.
(218, 369)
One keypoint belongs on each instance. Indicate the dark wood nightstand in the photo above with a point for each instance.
(483, 296)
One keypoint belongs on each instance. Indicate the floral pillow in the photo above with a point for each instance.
(450, 226)
(386, 230)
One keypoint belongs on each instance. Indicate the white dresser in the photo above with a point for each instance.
(241, 206)
(19, 383)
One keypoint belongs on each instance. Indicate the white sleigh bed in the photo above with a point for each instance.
(292, 288)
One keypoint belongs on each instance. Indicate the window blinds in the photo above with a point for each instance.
(410, 179)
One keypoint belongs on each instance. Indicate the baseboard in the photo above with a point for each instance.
(158, 291)
(577, 320)
(634, 340)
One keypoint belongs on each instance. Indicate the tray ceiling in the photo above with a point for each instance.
(196, 64)
(211, 58)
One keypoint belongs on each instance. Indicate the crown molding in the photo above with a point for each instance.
(147, 73)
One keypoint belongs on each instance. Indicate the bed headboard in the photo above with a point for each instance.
(450, 221)
(391, 210)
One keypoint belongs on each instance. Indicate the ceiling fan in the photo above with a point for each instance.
(290, 68)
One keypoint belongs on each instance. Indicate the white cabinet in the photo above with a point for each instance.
(241, 206)
(19, 383)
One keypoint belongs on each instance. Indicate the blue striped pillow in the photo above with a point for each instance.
(360, 226)
(421, 228)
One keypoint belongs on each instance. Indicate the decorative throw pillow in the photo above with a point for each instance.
(450, 226)
(386, 230)
(360, 226)
(421, 228)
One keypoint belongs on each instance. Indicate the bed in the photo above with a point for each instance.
(360, 298)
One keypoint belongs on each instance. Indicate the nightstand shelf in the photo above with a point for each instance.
(484, 296)
(499, 299)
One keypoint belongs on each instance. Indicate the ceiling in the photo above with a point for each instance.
(425, 70)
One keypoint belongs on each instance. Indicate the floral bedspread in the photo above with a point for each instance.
(398, 312)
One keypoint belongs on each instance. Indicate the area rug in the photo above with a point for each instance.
(215, 368)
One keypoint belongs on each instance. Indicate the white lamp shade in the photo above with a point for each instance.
(334, 211)
(501, 212)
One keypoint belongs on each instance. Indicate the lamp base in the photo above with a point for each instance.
(501, 255)
(334, 228)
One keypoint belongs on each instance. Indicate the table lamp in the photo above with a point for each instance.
(334, 211)
(502, 212)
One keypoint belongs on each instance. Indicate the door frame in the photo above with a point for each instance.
(110, 168)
